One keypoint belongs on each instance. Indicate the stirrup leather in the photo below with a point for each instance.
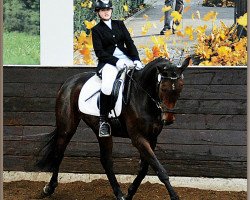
(105, 129)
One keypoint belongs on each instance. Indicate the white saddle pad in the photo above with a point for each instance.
(88, 97)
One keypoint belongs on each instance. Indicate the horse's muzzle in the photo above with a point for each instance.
(167, 118)
(166, 123)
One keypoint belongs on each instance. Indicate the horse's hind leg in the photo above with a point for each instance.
(140, 176)
(148, 154)
(67, 123)
(136, 183)
(106, 146)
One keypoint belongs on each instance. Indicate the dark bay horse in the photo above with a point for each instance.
(154, 93)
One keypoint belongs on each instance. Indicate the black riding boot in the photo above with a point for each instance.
(105, 129)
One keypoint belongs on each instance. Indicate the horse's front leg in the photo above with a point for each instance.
(148, 154)
(106, 145)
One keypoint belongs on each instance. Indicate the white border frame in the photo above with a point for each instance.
(56, 38)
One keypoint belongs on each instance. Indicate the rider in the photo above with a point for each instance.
(109, 39)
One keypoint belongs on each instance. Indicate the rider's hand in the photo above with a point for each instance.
(138, 65)
(129, 64)
(120, 64)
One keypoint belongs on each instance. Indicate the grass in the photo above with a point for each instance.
(21, 49)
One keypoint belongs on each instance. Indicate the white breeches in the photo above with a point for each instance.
(109, 73)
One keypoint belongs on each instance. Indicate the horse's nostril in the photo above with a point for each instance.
(165, 122)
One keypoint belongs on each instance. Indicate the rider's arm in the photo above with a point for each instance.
(132, 50)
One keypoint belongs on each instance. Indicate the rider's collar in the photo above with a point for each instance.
(108, 23)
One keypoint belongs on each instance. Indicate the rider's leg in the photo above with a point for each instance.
(109, 73)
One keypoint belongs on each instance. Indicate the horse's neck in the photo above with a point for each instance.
(144, 94)
(147, 79)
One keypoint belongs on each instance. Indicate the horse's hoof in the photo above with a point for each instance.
(175, 198)
(128, 198)
(121, 198)
(42, 195)
(48, 190)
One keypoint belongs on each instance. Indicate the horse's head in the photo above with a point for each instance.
(170, 85)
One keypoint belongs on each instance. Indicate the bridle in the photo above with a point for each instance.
(173, 79)
(159, 103)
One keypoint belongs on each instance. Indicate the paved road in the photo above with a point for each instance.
(155, 13)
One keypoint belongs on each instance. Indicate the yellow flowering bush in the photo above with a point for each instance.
(83, 47)
(222, 46)
(159, 49)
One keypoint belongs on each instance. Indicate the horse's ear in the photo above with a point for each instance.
(185, 64)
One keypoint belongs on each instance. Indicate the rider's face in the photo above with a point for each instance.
(105, 13)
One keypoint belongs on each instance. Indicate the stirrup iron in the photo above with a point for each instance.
(107, 132)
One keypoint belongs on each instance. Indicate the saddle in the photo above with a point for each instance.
(88, 102)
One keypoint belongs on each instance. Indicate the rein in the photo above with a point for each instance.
(159, 104)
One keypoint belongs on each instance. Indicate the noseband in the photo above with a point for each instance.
(160, 104)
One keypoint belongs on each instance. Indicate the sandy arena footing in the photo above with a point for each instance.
(217, 184)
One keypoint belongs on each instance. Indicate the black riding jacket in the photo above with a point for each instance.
(106, 40)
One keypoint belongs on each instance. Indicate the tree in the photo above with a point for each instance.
(31, 4)
(22, 16)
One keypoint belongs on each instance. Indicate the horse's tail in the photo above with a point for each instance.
(46, 155)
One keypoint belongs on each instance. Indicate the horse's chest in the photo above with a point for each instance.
(152, 129)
